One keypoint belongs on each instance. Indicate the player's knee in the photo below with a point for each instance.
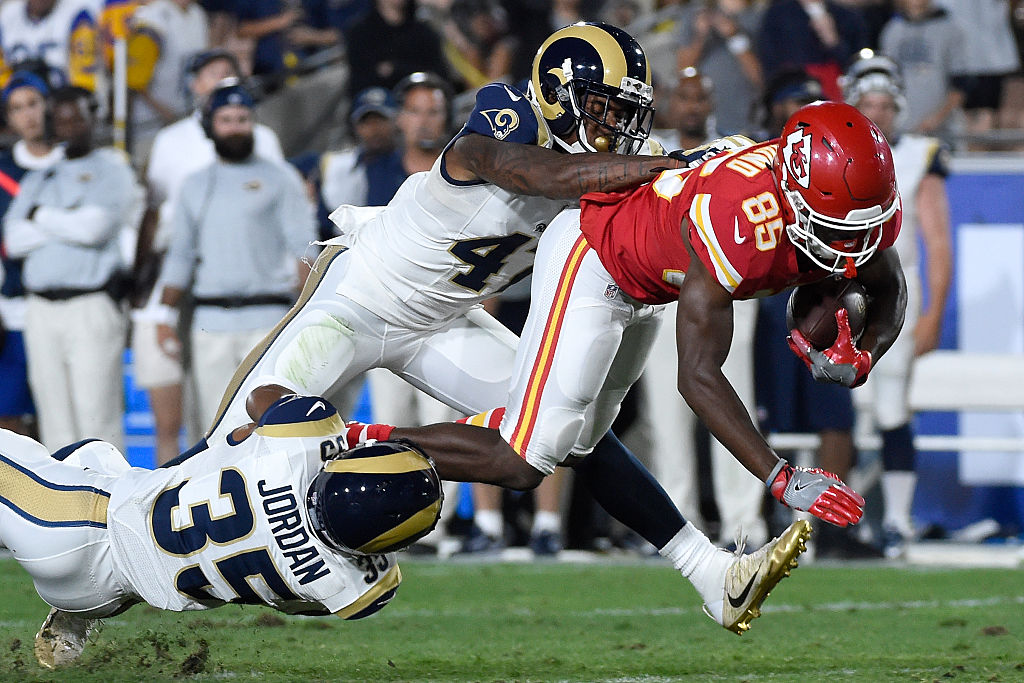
(322, 337)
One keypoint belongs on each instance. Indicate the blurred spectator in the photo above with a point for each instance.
(390, 43)
(242, 227)
(787, 91)
(221, 17)
(788, 398)
(687, 119)
(61, 33)
(322, 24)
(163, 36)
(340, 14)
(873, 86)
(876, 14)
(178, 151)
(477, 44)
(621, 13)
(267, 22)
(65, 221)
(928, 47)
(25, 110)
(657, 31)
(565, 12)
(990, 56)
(528, 23)
(345, 175)
(716, 38)
(672, 423)
(819, 36)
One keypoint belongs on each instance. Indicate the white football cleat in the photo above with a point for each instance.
(61, 638)
(751, 577)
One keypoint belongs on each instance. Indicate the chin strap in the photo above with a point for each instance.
(574, 148)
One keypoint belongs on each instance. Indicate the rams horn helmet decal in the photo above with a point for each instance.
(378, 498)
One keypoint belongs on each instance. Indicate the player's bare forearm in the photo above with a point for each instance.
(536, 171)
(884, 281)
(704, 327)
(463, 452)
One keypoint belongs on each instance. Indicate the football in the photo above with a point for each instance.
(812, 310)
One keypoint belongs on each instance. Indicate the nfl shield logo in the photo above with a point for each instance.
(611, 291)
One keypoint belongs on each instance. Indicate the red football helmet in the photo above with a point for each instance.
(835, 169)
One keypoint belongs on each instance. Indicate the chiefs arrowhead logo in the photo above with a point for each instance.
(503, 121)
(796, 154)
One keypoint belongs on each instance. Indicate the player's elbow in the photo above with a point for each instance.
(524, 478)
(694, 384)
(517, 474)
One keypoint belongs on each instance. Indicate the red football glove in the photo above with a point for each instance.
(358, 433)
(816, 491)
(842, 363)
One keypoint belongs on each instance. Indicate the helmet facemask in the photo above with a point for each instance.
(830, 241)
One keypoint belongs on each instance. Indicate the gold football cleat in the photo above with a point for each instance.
(61, 638)
(751, 577)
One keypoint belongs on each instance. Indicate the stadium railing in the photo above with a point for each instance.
(954, 381)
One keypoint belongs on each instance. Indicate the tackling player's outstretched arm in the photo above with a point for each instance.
(538, 171)
(456, 449)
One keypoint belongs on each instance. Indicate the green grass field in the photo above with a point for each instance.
(568, 622)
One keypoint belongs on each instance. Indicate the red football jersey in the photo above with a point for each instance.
(735, 216)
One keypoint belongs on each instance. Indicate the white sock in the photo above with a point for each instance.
(702, 563)
(898, 492)
(490, 522)
(546, 521)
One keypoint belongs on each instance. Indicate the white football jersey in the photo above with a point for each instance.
(914, 156)
(180, 33)
(64, 38)
(441, 245)
(230, 525)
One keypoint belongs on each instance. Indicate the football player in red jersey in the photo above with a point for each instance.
(819, 202)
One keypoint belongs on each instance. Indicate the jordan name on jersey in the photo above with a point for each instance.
(230, 525)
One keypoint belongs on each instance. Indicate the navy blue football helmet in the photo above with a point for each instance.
(376, 498)
(594, 71)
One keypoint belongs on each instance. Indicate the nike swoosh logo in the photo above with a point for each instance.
(316, 406)
(511, 95)
(736, 231)
(801, 486)
(742, 597)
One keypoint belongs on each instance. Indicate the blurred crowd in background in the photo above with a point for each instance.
(960, 60)
(357, 95)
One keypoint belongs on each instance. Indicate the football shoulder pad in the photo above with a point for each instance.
(506, 114)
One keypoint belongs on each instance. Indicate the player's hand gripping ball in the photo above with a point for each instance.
(812, 310)
(825, 326)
